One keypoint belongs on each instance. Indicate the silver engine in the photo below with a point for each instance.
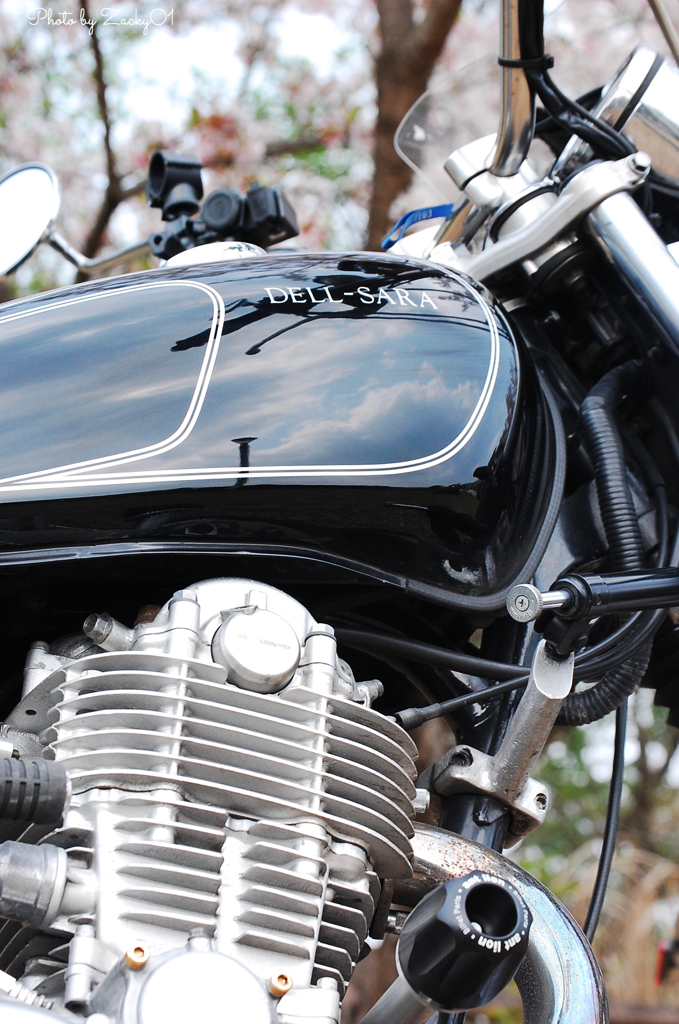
(234, 803)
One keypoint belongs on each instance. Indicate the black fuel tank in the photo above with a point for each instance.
(359, 406)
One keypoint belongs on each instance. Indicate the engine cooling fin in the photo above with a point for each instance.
(261, 820)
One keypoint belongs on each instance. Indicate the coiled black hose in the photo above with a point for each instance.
(603, 443)
(609, 693)
(32, 790)
(623, 535)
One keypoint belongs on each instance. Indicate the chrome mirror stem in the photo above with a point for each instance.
(91, 266)
(666, 27)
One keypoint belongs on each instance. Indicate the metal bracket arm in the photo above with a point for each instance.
(472, 771)
(505, 775)
(586, 191)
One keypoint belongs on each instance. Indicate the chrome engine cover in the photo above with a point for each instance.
(229, 782)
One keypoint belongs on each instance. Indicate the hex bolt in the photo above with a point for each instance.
(136, 957)
(279, 984)
(107, 632)
(639, 162)
(97, 627)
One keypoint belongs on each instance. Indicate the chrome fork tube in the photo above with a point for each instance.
(515, 133)
(559, 980)
(642, 259)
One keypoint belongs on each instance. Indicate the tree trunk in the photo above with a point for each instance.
(407, 57)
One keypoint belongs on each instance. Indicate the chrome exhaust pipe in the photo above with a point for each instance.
(559, 980)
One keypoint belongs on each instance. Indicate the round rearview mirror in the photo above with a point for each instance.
(29, 202)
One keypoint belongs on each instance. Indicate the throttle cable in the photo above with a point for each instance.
(612, 823)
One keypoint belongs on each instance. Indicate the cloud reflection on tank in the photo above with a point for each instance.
(354, 402)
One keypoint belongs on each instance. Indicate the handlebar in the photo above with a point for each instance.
(585, 596)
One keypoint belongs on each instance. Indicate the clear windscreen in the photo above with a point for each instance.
(457, 109)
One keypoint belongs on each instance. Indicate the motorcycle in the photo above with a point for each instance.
(302, 483)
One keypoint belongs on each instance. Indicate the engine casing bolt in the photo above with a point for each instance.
(279, 984)
(136, 957)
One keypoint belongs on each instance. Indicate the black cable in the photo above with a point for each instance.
(604, 445)
(618, 768)
(619, 645)
(603, 138)
(429, 654)
(647, 626)
(410, 718)
(663, 517)
(575, 118)
(658, 184)
(612, 822)
(531, 17)
(641, 625)
(601, 141)
(426, 654)
(616, 137)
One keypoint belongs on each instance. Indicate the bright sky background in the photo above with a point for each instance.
(207, 50)
(210, 51)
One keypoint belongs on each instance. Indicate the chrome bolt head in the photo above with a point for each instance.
(524, 603)
(639, 162)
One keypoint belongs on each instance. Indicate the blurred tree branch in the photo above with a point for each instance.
(115, 194)
(306, 140)
(409, 51)
(410, 47)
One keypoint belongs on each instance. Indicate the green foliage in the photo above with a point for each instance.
(576, 766)
(579, 803)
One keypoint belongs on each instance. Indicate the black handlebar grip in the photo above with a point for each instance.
(464, 942)
(615, 592)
